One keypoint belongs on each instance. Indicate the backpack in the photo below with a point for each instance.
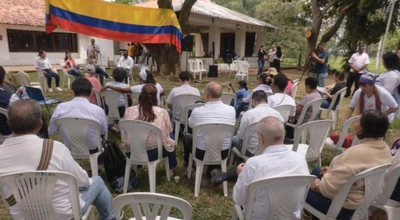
(395, 146)
(114, 166)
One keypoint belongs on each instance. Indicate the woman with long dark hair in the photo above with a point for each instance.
(277, 60)
(69, 64)
(148, 111)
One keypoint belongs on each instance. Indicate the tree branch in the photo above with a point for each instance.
(328, 6)
(315, 8)
(342, 14)
(184, 15)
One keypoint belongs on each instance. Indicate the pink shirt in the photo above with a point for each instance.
(288, 88)
(162, 121)
(96, 86)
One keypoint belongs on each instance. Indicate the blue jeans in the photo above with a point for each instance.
(261, 63)
(243, 106)
(325, 103)
(74, 72)
(321, 78)
(102, 74)
(322, 203)
(153, 155)
(98, 195)
(49, 74)
(238, 143)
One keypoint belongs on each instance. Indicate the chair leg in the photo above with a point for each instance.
(225, 183)
(177, 127)
(167, 168)
(69, 82)
(127, 173)
(152, 176)
(93, 164)
(232, 155)
(199, 172)
(190, 165)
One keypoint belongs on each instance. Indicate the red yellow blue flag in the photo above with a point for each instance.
(114, 21)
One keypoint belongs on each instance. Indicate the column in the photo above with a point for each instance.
(240, 42)
(199, 46)
(215, 36)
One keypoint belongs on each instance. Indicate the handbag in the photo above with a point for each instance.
(335, 136)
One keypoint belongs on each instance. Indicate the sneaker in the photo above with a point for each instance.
(50, 90)
(58, 89)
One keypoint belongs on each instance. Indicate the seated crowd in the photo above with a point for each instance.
(267, 153)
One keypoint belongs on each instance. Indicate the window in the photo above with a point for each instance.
(33, 41)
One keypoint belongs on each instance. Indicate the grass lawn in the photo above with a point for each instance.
(211, 204)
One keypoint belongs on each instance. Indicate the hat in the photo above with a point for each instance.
(142, 73)
(368, 78)
(90, 69)
(272, 71)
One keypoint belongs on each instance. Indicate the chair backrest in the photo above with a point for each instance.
(317, 132)
(111, 99)
(34, 93)
(284, 193)
(235, 65)
(75, 132)
(199, 65)
(65, 72)
(243, 67)
(24, 78)
(284, 110)
(135, 98)
(338, 95)
(98, 97)
(214, 135)
(4, 112)
(345, 131)
(179, 103)
(192, 66)
(293, 90)
(373, 181)
(141, 204)
(40, 74)
(390, 183)
(227, 99)
(186, 113)
(296, 80)
(251, 128)
(314, 105)
(137, 133)
(33, 192)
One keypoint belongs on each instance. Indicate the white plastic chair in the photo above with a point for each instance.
(76, 133)
(227, 99)
(335, 112)
(317, 132)
(234, 67)
(242, 154)
(285, 193)
(373, 181)
(179, 103)
(135, 98)
(284, 110)
(186, 113)
(315, 105)
(383, 201)
(42, 77)
(193, 68)
(67, 77)
(200, 68)
(293, 90)
(151, 204)
(99, 100)
(5, 113)
(24, 77)
(137, 132)
(35, 200)
(243, 71)
(214, 135)
(329, 142)
(111, 99)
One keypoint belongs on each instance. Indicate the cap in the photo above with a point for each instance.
(90, 69)
(272, 71)
(368, 78)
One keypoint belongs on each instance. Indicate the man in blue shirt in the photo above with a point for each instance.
(321, 65)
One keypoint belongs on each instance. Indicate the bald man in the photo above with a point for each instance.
(214, 111)
(93, 47)
(275, 161)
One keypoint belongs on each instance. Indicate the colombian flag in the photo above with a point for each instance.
(114, 21)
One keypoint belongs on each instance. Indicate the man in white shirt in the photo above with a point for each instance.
(93, 47)
(80, 107)
(275, 161)
(183, 89)
(214, 111)
(279, 83)
(126, 62)
(22, 153)
(42, 63)
(261, 109)
(358, 63)
(369, 95)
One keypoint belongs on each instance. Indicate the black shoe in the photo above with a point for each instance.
(217, 177)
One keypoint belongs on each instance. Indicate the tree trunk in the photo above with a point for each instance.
(167, 58)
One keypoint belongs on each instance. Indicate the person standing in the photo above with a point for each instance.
(358, 63)
(321, 65)
(277, 60)
(261, 61)
(42, 63)
(131, 50)
(272, 55)
(93, 47)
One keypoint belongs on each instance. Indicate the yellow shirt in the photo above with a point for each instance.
(131, 50)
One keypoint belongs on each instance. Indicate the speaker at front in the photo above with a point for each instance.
(187, 43)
